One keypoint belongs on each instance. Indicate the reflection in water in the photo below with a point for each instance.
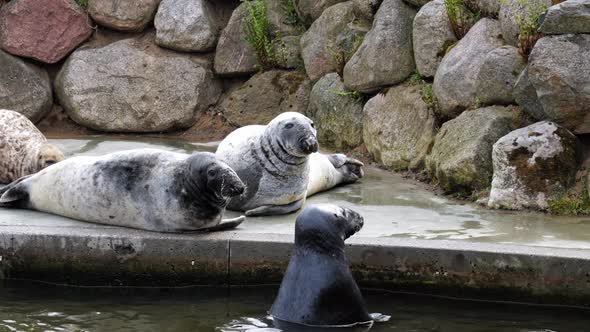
(30, 307)
(392, 206)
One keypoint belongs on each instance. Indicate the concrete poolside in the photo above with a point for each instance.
(412, 240)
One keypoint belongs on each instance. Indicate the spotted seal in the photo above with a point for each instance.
(318, 289)
(145, 188)
(23, 148)
(280, 165)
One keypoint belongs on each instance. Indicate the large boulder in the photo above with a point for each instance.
(497, 76)
(266, 95)
(134, 86)
(385, 57)
(398, 128)
(432, 36)
(310, 10)
(186, 25)
(461, 158)
(532, 165)
(46, 32)
(337, 113)
(234, 56)
(510, 9)
(572, 16)
(331, 40)
(560, 78)
(24, 88)
(123, 15)
(456, 78)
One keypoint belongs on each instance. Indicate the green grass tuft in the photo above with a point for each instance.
(292, 17)
(358, 96)
(570, 204)
(460, 17)
(82, 3)
(259, 34)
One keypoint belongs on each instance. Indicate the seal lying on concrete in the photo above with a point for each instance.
(318, 289)
(146, 188)
(280, 166)
(23, 148)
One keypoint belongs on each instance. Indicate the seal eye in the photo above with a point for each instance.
(212, 172)
(289, 125)
(313, 125)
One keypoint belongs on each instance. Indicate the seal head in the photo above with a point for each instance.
(48, 155)
(318, 288)
(293, 133)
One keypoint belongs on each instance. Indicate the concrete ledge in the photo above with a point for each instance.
(110, 256)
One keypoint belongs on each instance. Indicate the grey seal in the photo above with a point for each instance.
(146, 189)
(280, 165)
(318, 289)
(23, 148)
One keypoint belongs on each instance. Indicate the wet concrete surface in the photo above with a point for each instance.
(392, 207)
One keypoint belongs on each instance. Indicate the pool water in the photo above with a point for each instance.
(28, 306)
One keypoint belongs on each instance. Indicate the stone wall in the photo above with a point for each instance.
(419, 89)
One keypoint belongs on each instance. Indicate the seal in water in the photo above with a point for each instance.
(280, 165)
(318, 289)
(145, 188)
(23, 148)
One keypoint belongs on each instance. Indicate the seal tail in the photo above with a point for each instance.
(13, 195)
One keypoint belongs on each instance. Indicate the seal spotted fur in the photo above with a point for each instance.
(145, 188)
(23, 148)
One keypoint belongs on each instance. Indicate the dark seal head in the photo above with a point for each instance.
(293, 133)
(318, 289)
(208, 186)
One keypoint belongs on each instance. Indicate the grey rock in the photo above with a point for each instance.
(123, 15)
(497, 76)
(24, 88)
(386, 56)
(488, 8)
(134, 86)
(310, 10)
(525, 95)
(288, 52)
(456, 77)
(509, 9)
(331, 39)
(461, 158)
(186, 25)
(366, 8)
(398, 128)
(266, 95)
(560, 75)
(532, 165)
(432, 36)
(572, 16)
(338, 116)
(234, 56)
(417, 3)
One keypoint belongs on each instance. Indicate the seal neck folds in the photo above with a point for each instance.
(270, 154)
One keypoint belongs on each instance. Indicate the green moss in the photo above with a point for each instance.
(340, 54)
(570, 204)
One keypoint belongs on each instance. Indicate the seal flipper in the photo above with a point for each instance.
(269, 210)
(14, 195)
(225, 224)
